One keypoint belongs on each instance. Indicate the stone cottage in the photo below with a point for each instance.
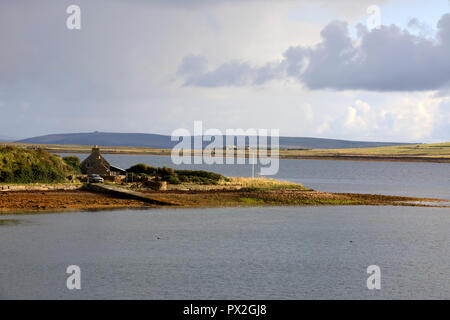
(95, 163)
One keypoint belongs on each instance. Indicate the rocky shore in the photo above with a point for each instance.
(40, 201)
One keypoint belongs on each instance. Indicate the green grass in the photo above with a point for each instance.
(254, 200)
(441, 150)
(248, 200)
(263, 184)
(331, 202)
(73, 163)
(18, 165)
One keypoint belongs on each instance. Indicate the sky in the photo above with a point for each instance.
(316, 69)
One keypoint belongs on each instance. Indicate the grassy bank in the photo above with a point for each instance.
(424, 152)
(438, 152)
(25, 166)
(261, 184)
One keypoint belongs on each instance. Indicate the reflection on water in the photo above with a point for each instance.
(10, 222)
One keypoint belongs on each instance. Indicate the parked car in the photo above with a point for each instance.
(95, 178)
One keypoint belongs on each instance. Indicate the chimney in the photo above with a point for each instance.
(96, 151)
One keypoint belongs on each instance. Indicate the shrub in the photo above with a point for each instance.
(172, 179)
(142, 168)
(73, 163)
(19, 165)
(151, 170)
(164, 171)
(177, 176)
(138, 168)
(200, 176)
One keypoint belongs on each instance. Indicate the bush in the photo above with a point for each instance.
(173, 179)
(164, 171)
(142, 168)
(177, 176)
(138, 168)
(19, 165)
(73, 163)
(151, 170)
(201, 174)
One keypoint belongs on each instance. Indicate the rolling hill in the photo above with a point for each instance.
(164, 141)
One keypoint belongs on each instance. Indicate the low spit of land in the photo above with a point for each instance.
(236, 193)
(438, 152)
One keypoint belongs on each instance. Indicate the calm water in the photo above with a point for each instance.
(243, 253)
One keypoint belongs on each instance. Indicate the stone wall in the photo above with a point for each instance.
(114, 179)
(155, 185)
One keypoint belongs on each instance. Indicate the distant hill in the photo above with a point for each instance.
(163, 141)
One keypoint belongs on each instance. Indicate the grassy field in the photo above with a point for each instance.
(59, 148)
(262, 183)
(239, 183)
(438, 152)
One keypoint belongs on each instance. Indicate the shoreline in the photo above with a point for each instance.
(383, 158)
(425, 154)
(371, 158)
(316, 157)
(60, 201)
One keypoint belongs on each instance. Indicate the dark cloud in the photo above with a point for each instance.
(233, 73)
(383, 59)
(191, 65)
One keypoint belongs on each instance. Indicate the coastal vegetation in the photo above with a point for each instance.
(173, 176)
(183, 188)
(73, 163)
(262, 183)
(18, 165)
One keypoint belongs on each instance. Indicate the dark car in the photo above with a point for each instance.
(95, 178)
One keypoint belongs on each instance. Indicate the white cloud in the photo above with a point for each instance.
(410, 118)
